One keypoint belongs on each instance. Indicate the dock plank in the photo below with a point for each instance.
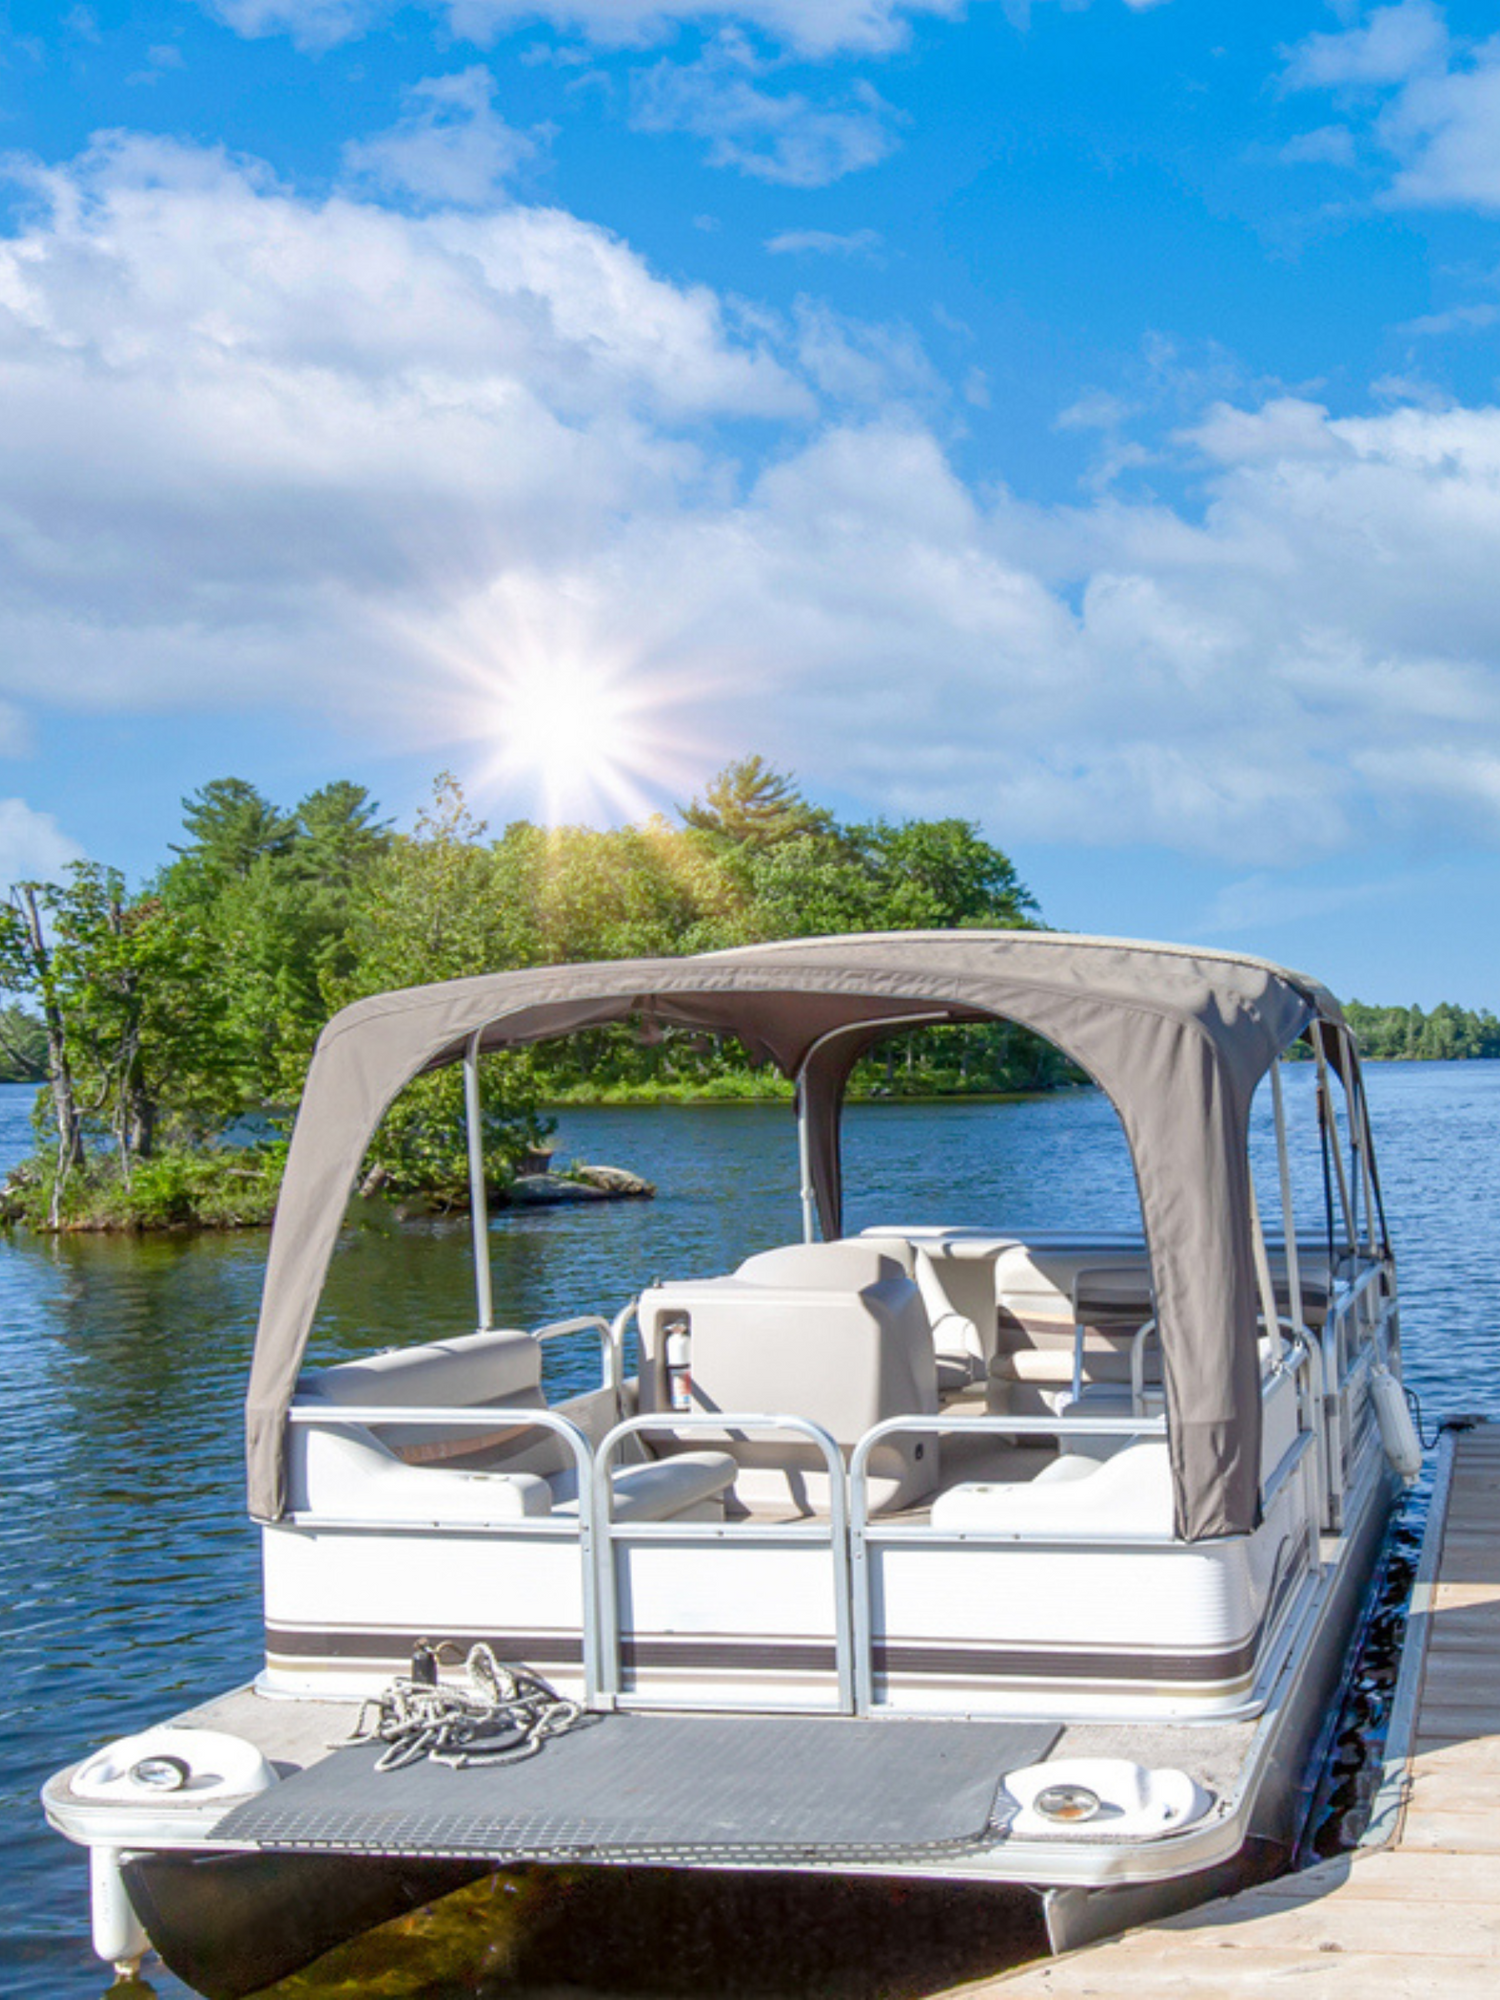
(1418, 1919)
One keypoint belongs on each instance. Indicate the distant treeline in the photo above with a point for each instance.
(158, 1015)
(1406, 1034)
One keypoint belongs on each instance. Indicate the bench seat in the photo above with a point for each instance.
(1128, 1493)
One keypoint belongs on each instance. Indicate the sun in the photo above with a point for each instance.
(572, 728)
(560, 700)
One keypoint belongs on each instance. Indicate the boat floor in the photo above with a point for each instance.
(747, 1789)
(304, 1738)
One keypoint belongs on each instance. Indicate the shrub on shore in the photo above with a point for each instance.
(179, 1187)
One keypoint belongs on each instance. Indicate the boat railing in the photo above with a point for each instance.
(373, 1416)
(610, 1336)
(610, 1535)
(849, 1531)
(1360, 1328)
(867, 1531)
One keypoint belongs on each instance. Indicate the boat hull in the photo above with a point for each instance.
(1297, 1746)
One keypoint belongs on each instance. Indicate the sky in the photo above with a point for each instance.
(1078, 418)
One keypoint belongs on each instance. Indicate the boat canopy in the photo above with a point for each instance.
(1177, 1039)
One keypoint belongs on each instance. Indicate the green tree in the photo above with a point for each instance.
(231, 826)
(23, 1046)
(337, 835)
(141, 1023)
(750, 803)
(940, 874)
(28, 966)
(272, 894)
(428, 911)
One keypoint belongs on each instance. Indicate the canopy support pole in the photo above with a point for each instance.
(804, 1167)
(1331, 1126)
(1288, 1219)
(1263, 1276)
(1359, 1139)
(479, 1214)
(804, 1136)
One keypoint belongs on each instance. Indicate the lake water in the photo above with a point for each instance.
(130, 1574)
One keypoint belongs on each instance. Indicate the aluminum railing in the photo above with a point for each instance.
(848, 1531)
(610, 1534)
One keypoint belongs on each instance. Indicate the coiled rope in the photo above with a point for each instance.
(505, 1714)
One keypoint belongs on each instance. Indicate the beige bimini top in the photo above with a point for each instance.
(1178, 1040)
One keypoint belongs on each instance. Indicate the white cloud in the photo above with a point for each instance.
(1435, 105)
(813, 27)
(1261, 902)
(787, 138)
(261, 449)
(1395, 43)
(233, 417)
(851, 361)
(33, 847)
(1328, 145)
(1457, 319)
(861, 243)
(450, 147)
(312, 24)
(1445, 132)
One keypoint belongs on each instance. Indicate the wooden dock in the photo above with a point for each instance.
(1417, 1918)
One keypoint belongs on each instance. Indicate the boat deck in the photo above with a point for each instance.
(296, 1735)
(1417, 1918)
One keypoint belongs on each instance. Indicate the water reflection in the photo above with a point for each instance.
(131, 1574)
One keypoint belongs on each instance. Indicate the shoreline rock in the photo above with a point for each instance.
(580, 1185)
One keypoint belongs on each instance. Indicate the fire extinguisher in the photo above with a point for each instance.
(678, 1347)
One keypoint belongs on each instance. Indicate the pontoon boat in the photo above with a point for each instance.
(932, 1551)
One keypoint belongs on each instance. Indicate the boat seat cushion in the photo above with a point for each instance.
(499, 1367)
(345, 1473)
(664, 1489)
(1129, 1493)
(473, 1368)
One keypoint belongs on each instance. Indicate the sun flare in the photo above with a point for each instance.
(562, 711)
(568, 725)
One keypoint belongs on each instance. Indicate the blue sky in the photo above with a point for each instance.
(1077, 417)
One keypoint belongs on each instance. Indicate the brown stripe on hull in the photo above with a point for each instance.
(300, 1642)
(668, 1653)
(1025, 1663)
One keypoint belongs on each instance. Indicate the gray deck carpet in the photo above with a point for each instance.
(751, 1787)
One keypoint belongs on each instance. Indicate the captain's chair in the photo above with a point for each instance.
(833, 1332)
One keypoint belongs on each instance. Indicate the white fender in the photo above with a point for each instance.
(1397, 1431)
(119, 1935)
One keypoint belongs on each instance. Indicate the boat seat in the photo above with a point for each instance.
(346, 1474)
(1129, 1493)
(959, 1295)
(834, 1333)
(688, 1487)
(501, 1366)
(510, 1471)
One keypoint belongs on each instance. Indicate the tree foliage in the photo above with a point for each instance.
(1448, 1033)
(166, 1012)
(157, 1016)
